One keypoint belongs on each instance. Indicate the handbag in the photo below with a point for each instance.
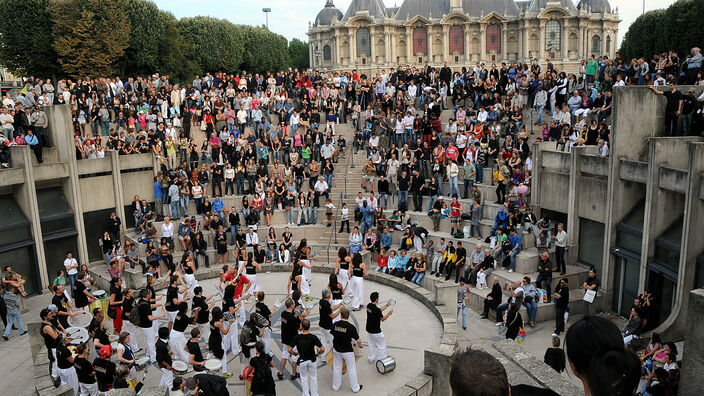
(203, 126)
(112, 312)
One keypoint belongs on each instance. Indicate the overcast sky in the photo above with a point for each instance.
(290, 18)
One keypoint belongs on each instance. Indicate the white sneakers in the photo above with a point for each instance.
(510, 270)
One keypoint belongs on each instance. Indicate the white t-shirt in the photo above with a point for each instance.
(71, 262)
(167, 230)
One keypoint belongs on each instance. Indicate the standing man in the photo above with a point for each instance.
(417, 186)
(560, 245)
(343, 332)
(328, 313)
(308, 346)
(163, 358)
(290, 324)
(544, 273)
(158, 197)
(562, 298)
(462, 293)
(375, 316)
(146, 316)
(592, 283)
(71, 269)
(673, 108)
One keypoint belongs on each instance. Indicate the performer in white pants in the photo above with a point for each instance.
(189, 270)
(337, 291)
(375, 315)
(177, 338)
(216, 341)
(83, 369)
(262, 309)
(343, 332)
(164, 358)
(358, 271)
(329, 314)
(147, 318)
(307, 347)
(342, 267)
(64, 361)
(306, 266)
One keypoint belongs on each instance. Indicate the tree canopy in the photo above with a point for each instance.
(659, 31)
(80, 38)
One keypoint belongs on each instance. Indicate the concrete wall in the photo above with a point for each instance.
(693, 354)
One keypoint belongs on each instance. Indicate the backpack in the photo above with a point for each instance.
(262, 381)
(247, 335)
(506, 246)
(134, 314)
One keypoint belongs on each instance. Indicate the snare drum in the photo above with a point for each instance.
(213, 366)
(82, 319)
(78, 335)
(141, 363)
(385, 365)
(180, 368)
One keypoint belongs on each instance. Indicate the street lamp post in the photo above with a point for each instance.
(266, 12)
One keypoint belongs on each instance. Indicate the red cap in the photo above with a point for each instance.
(105, 351)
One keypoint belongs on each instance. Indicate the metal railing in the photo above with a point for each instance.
(343, 193)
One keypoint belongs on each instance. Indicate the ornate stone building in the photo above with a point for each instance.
(370, 36)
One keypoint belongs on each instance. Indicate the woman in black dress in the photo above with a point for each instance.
(215, 342)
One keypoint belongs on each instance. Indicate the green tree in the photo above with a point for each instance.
(153, 40)
(90, 35)
(263, 50)
(298, 54)
(212, 44)
(26, 41)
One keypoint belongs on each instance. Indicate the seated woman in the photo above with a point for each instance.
(355, 241)
(13, 279)
(631, 330)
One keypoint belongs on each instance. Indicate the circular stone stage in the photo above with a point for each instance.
(410, 329)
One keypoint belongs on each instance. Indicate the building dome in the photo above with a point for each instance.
(427, 9)
(486, 7)
(371, 8)
(598, 6)
(328, 14)
(539, 5)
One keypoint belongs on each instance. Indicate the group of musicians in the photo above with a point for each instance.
(225, 329)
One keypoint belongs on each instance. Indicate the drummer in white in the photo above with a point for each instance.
(343, 332)
(375, 315)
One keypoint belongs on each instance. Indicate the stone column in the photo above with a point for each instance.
(565, 40)
(541, 39)
(446, 43)
(429, 47)
(117, 186)
(520, 43)
(504, 41)
(353, 45)
(387, 47)
(482, 41)
(409, 44)
(372, 51)
(526, 38)
(580, 50)
(467, 46)
(336, 58)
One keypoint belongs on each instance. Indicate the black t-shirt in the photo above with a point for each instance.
(270, 386)
(145, 310)
(673, 101)
(289, 327)
(194, 349)
(181, 322)
(84, 370)
(383, 186)
(79, 295)
(593, 281)
(203, 314)
(104, 371)
(62, 356)
(61, 303)
(262, 310)
(162, 353)
(171, 294)
(305, 344)
(403, 183)
(461, 253)
(325, 312)
(127, 304)
(374, 316)
(343, 333)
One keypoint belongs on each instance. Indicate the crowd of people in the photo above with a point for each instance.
(274, 141)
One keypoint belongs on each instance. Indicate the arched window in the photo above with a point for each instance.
(327, 53)
(456, 40)
(596, 45)
(364, 43)
(553, 34)
(608, 45)
(493, 38)
(420, 41)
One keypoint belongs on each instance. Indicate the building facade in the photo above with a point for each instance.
(370, 36)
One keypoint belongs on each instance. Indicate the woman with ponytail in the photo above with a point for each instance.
(598, 357)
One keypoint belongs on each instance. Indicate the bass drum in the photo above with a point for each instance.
(385, 365)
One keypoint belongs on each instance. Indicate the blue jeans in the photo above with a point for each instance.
(431, 201)
(385, 197)
(382, 269)
(175, 209)
(289, 216)
(418, 278)
(313, 215)
(137, 220)
(233, 232)
(686, 124)
(480, 172)
(73, 278)
(540, 110)
(328, 179)
(532, 308)
(184, 206)
(403, 199)
(408, 135)
(438, 178)
(11, 318)
(513, 255)
(467, 187)
(464, 314)
(454, 186)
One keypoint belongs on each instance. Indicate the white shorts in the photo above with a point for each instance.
(285, 354)
(171, 315)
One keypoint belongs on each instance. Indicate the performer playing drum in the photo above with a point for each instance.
(189, 269)
(216, 343)
(250, 270)
(329, 314)
(342, 267)
(343, 332)
(337, 292)
(356, 288)
(375, 315)
(263, 310)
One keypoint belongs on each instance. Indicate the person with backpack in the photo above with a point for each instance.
(289, 329)
(306, 346)
(262, 380)
(146, 316)
(248, 338)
